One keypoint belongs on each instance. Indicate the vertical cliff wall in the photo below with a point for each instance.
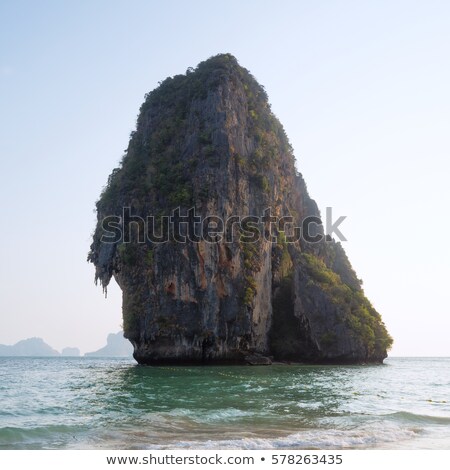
(208, 144)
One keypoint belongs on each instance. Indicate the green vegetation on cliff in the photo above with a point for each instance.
(358, 313)
(153, 162)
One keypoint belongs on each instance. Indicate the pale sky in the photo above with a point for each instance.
(362, 88)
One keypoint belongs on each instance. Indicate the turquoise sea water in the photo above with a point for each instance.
(81, 403)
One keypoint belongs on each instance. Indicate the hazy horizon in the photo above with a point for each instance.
(82, 353)
(360, 87)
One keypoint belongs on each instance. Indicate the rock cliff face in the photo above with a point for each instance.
(207, 143)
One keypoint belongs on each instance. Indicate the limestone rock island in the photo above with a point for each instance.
(208, 148)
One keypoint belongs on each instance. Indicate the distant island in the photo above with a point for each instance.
(28, 347)
(70, 352)
(117, 346)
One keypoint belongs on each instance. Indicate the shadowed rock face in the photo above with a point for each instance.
(207, 140)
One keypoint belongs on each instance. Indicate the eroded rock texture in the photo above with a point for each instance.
(208, 140)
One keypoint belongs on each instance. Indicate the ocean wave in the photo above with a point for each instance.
(37, 437)
(419, 418)
(363, 437)
(210, 416)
